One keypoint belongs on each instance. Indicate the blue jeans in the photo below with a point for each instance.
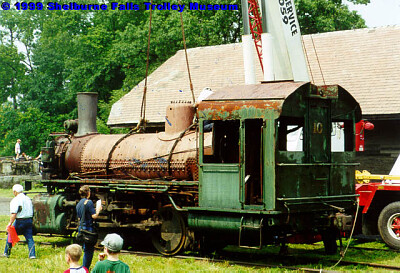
(88, 251)
(23, 227)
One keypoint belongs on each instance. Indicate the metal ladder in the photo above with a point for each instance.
(242, 227)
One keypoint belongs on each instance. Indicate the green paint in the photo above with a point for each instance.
(313, 172)
(49, 216)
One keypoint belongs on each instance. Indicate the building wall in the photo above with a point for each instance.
(382, 147)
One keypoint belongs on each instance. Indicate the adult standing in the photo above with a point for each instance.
(21, 210)
(17, 149)
(86, 206)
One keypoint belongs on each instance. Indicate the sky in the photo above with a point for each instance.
(379, 12)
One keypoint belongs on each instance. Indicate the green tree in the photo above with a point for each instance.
(12, 70)
(11, 73)
(327, 15)
(31, 126)
(105, 52)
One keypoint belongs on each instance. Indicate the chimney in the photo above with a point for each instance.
(87, 112)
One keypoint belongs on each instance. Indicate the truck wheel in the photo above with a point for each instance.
(389, 225)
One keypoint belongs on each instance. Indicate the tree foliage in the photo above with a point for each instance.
(65, 52)
(327, 15)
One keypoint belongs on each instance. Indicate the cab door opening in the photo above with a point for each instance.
(253, 161)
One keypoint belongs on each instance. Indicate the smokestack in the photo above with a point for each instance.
(87, 112)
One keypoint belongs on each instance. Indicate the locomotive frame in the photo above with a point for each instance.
(252, 190)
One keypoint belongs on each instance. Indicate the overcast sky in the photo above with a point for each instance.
(379, 12)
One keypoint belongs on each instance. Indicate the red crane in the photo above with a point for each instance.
(255, 25)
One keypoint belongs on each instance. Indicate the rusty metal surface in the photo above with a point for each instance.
(49, 215)
(179, 116)
(269, 90)
(74, 152)
(117, 182)
(325, 91)
(233, 109)
(141, 156)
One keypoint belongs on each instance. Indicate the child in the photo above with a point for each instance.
(73, 254)
(112, 246)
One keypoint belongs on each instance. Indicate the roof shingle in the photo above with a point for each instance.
(366, 62)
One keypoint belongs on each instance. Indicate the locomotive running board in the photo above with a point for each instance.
(317, 199)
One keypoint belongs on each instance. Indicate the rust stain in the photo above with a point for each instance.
(42, 212)
(229, 109)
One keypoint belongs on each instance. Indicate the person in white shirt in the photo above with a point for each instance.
(17, 149)
(21, 210)
(18, 154)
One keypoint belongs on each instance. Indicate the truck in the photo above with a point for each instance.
(379, 201)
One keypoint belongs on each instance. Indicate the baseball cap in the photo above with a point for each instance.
(18, 188)
(113, 242)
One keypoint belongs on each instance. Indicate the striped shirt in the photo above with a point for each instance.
(81, 269)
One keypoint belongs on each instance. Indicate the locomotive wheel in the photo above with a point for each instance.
(169, 238)
(389, 225)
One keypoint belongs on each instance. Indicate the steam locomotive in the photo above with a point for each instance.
(257, 167)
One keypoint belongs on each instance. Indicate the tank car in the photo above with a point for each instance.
(256, 168)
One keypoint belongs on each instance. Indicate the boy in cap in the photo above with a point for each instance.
(21, 210)
(73, 254)
(112, 246)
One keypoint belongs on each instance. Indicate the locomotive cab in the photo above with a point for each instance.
(272, 167)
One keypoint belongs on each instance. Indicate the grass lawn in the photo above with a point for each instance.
(50, 258)
(9, 192)
(6, 193)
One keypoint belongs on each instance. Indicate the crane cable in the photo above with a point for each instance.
(316, 55)
(351, 235)
(187, 60)
(142, 121)
(308, 61)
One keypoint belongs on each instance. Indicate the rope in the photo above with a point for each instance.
(176, 143)
(187, 60)
(351, 235)
(323, 79)
(308, 61)
(143, 107)
(115, 146)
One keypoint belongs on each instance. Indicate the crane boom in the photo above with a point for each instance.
(256, 29)
(275, 31)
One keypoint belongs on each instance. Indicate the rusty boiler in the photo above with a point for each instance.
(172, 153)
